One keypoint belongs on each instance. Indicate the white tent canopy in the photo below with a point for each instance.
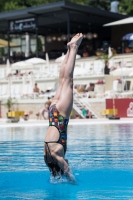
(36, 61)
(22, 64)
(60, 59)
(128, 20)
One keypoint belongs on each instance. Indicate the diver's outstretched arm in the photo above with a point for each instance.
(65, 168)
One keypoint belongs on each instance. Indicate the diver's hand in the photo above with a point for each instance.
(70, 178)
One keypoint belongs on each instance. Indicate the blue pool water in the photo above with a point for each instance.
(100, 156)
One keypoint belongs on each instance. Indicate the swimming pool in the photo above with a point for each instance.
(100, 156)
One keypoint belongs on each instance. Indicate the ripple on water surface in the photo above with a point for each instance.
(100, 156)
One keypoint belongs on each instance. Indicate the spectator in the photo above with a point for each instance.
(106, 68)
(27, 115)
(41, 113)
(84, 111)
(48, 103)
(90, 88)
(89, 115)
(75, 88)
(36, 89)
(77, 117)
(16, 73)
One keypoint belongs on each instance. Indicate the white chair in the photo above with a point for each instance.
(110, 93)
(4, 91)
(88, 68)
(115, 85)
(24, 90)
(8, 71)
(12, 91)
(17, 91)
(78, 71)
(30, 92)
(55, 70)
(37, 75)
(98, 67)
(2, 73)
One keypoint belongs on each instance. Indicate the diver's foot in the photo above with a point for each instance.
(76, 40)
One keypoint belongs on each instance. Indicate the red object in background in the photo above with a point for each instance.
(124, 106)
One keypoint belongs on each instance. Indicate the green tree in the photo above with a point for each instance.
(82, 2)
(126, 6)
(12, 6)
(39, 44)
(18, 4)
(102, 4)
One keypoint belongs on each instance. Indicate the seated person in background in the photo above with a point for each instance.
(106, 68)
(36, 89)
(91, 87)
(41, 113)
(80, 89)
(27, 115)
(117, 66)
(42, 92)
(89, 114)
(48, 103)
(16, 73)
(84, 111)
(77, 117)
(75, 89)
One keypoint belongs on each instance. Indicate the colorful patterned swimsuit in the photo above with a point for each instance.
(57, 120)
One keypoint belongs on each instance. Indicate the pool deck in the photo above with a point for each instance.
(32, 122)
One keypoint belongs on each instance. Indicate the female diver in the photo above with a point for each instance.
(59, 112)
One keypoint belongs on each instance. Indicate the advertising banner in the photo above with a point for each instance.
(124, 106)
(22, 25)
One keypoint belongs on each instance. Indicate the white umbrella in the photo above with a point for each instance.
(109, 52)
(124, 71)
(8, 67)
(27, 47)
(35, 61)
(31, 83)
(47, 59)
(24, 79)
(10, 85)
(21, 64)
(128, 20)
(128, 37)
(60, 59)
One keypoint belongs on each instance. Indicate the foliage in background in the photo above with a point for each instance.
(102, 4)
(126, 6)
(105, 57)
(8, 103)
(39, 44)
(19, 4)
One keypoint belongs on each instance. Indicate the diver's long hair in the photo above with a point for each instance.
(54, 169)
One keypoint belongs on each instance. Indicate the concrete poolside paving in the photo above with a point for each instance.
(32, 122)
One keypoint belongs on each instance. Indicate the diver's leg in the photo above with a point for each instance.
(65, 101)
(61, 77)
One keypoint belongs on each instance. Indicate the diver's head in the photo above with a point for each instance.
(55, 169)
